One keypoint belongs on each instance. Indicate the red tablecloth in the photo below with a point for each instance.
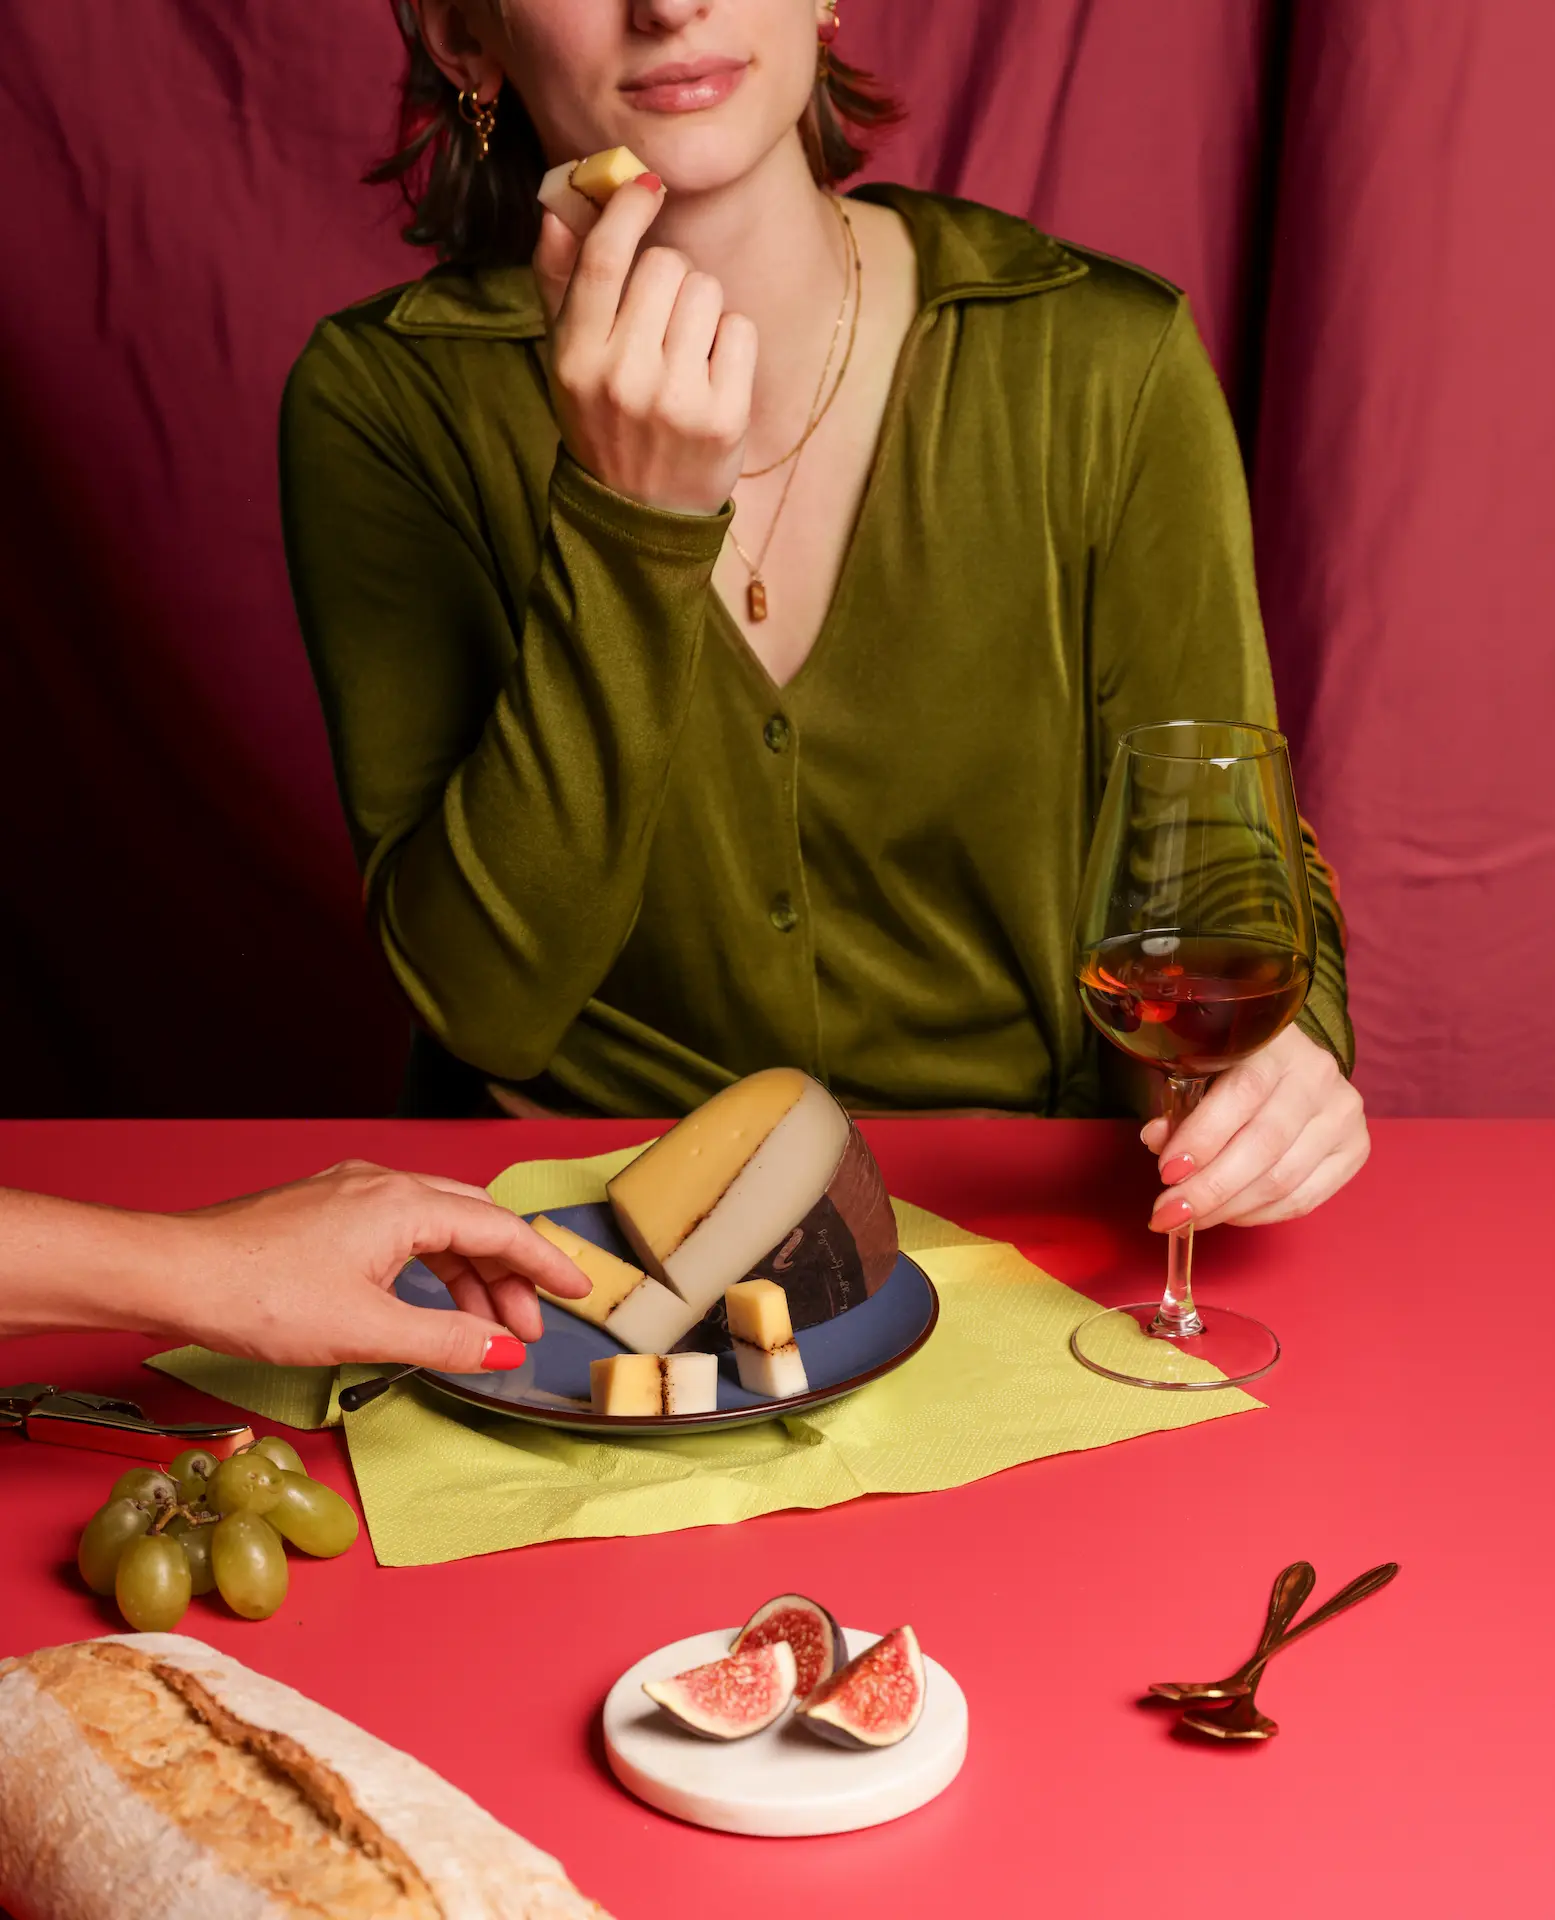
(1409, 1420)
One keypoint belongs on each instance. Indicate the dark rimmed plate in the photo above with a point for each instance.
(552, 1387)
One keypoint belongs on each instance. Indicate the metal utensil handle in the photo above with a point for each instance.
(1360, 1588)
(1292, 1589)
(353, 1399)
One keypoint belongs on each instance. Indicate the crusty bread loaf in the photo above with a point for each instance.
(145, 1776)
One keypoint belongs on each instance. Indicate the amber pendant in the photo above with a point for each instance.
(756, 600)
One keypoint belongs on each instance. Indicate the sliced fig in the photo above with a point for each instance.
(730, 1699)
(819, 1648)
(875, 1701)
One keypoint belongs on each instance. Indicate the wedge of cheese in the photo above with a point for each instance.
(768, 1180)
(639, 1312)
(577, 191)
(646, 1385)
(763, 1334)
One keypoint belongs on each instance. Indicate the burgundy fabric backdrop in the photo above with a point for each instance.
(1357, 194)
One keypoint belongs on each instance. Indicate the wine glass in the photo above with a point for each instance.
(1194, 942)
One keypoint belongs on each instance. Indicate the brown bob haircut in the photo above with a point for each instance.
(483, 213)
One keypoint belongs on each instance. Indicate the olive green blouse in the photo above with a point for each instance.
(601, 845)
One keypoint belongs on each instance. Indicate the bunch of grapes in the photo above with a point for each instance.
(207, 1523)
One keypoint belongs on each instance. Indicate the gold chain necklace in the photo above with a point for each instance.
(756, 593)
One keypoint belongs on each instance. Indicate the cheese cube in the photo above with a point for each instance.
(577, 190)
(775, 1375)
(645, 1385)
(758, 1314)
(771, 1179)
(690, 1382)
(633, 1309)
(627, 1384)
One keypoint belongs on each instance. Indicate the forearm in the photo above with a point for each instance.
(504, 910)
(67, 1267)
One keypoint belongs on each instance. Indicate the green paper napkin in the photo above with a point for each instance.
(995, 1386)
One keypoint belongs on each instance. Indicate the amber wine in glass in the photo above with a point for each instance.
(1194, 943)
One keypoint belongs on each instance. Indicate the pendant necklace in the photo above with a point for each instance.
(853, 284)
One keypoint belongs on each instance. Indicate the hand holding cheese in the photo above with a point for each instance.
(578, 191)
(650, 377)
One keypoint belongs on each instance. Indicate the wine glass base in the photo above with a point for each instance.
(1119, 1344)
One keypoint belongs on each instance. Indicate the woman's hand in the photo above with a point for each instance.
(651, 378)
(1272, 1139)
(304, 1275)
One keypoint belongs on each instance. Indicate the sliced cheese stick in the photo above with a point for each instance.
(775, 1375)
(578, 190)
(633, 1309)
(644, 1385)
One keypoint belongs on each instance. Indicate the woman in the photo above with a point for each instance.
(651, 791)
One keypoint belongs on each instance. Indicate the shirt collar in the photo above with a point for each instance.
(965, 252)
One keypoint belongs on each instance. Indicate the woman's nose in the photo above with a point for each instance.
(667, 16)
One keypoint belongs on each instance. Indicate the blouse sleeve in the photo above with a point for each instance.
(1175, 626)
(502, 767)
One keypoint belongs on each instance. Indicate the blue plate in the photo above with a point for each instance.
(552, 1387)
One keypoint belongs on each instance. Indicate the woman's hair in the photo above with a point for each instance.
(481, 212)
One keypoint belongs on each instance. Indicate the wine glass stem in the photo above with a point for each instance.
(1177, 1318)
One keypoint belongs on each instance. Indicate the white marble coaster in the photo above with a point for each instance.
(784, 1781)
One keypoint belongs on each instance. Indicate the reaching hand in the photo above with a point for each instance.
(1272, 1139)
(304, 1275)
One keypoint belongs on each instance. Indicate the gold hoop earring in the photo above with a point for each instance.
(826, 33)
(482, 116)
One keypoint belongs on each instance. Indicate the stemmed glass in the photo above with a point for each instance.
(1194, 942)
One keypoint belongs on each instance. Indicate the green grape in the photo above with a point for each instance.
(282, 1452)
(196, 1543)
(313, 1517)
(249, 1563)
(192, 1469)
(153, 1584)
(247, 1483)
(109, 1531)
(147, 1487)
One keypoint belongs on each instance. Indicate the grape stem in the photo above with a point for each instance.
(192, 1514)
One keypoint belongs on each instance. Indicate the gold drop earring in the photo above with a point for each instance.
(481, 116)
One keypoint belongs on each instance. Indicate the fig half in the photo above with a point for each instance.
(875, 1701)
(819, 1648)
(730, 1699)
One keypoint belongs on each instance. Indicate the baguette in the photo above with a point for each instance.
(145, 1776)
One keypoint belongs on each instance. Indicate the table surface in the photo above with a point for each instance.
(1410, 1419)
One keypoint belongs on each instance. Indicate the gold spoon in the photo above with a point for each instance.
(1292, 1589)
(1241, 1719)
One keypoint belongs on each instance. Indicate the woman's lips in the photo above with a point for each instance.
(685, 90)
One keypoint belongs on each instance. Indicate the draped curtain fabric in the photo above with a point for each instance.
(1356, 193)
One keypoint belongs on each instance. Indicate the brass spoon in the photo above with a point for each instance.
(1241, 1719)
(1292, 1589)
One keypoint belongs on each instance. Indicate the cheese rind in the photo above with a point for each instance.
(577, 190)
(775, 1375)
(639, 1312)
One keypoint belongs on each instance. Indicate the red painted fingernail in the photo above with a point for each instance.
(1171, 1213)
(503, 1353)
(1177, 1168)
(651, 181)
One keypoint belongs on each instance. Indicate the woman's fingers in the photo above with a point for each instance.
(732, 369)
(1204, 1194)
(588, 309)
(517, 1307)
(554, 259)
(1325, 1180)
(1272, 1183)
(1233, 1099)
(480, 1231)
(691, 329)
